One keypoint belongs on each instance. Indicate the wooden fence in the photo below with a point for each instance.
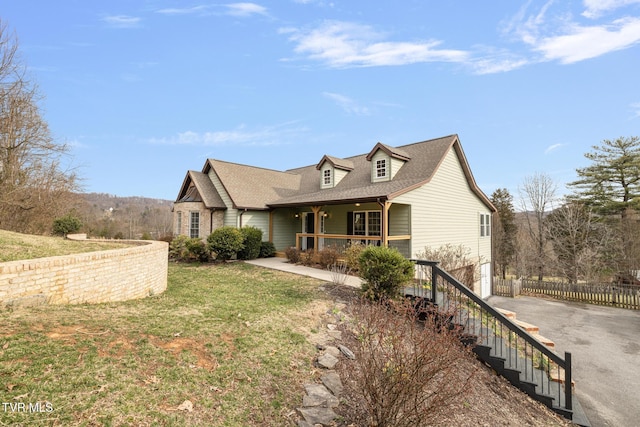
(623, 296)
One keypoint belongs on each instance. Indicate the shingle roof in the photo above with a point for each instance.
(251, 187)
(205, 191)
(343, 164)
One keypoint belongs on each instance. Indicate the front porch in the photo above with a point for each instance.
(339, 226)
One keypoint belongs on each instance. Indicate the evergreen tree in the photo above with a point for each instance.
(611, 184)
(504, 230)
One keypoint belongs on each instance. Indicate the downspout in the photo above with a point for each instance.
(211, 220)
(240, 218)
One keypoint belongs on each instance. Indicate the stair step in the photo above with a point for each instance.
(506, 313)
(527, 326)
(545, 341)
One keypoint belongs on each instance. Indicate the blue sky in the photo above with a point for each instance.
(145, 90)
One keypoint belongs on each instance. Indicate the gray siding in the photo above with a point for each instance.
(231, 214)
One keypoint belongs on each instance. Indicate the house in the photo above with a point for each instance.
(407, 197)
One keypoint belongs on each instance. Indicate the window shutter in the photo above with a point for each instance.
(349, 223)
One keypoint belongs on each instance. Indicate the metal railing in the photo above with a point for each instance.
(527, 363)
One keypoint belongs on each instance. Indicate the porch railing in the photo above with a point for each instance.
(509, 349)
(340, 242)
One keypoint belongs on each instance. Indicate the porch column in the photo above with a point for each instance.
(316, 225)
(385, 223)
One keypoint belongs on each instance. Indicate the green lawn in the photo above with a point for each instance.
(231, 339)
(16, 246)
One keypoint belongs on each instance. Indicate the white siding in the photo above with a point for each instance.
(446, 211)
(380, 155)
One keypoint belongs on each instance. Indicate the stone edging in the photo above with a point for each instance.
(322, 398)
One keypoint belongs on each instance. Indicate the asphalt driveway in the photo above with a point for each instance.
(605, 346)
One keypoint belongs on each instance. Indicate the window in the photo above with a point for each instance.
(194, 225)
(178, 223)
(381, 168)
(485, 225)
(326, 176)
(367, 223)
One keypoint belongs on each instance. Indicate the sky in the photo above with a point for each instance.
(143, 91)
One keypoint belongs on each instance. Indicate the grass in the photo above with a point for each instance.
(16, 246)
(231, 339)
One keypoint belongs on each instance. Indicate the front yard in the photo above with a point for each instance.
(229, 339)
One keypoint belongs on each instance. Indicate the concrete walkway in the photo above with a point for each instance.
(282, 264)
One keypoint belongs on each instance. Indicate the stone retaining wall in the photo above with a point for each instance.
(136, 271)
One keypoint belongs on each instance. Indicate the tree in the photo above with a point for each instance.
(571, 231)
(504, 230)
(34, 189)
(611, 184)
(537, 194)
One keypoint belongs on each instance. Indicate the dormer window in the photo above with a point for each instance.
(381, 168)
(326, 177)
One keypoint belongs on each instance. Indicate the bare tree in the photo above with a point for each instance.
(34, 188)
(537, 194)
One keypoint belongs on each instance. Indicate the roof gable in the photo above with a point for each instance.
(197, 187)
(336, 162)
(394, 152)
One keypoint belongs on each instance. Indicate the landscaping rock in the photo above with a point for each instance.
(332, 381)
(348, 353)
(319, 395)
(318, 415)
(334, 351)
(327, 361)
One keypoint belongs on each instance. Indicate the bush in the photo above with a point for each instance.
(67, 224)
(405, 373)
(327, 256)
(225, 242)
(384, 271)
(183, 248)
(351, 255)
(267, 250)
(293, 254)
(252, 239)
(309, 257)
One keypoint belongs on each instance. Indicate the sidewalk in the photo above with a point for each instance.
(281, 264)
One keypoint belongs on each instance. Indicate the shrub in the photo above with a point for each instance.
(309, 257)
(405, 373)
(267, 250)
(183, 248)
(327, 256)
(293, 254)
(351, 255)
(225, 242)
(197, 249)
(66, 225)
(384, 271)
(252, 238)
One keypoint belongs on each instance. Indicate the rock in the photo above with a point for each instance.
(318, 415)
(335, 334)
(348, 353)
(334, 351)
(327, 361)
(319, 395)
(186, 406)
(332, 381)
(331, 326)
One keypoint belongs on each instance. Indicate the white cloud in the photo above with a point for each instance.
(122, 21)
(232, 9)
(245, 9)
(553, 147)
(582, 43)
(597, 8)
(347, 104)
(268, 135)
(343, 44)
(635, 107)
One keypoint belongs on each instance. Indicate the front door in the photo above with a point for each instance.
(308, 226)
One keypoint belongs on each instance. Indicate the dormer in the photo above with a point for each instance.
(332, 170)
(386, 162)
